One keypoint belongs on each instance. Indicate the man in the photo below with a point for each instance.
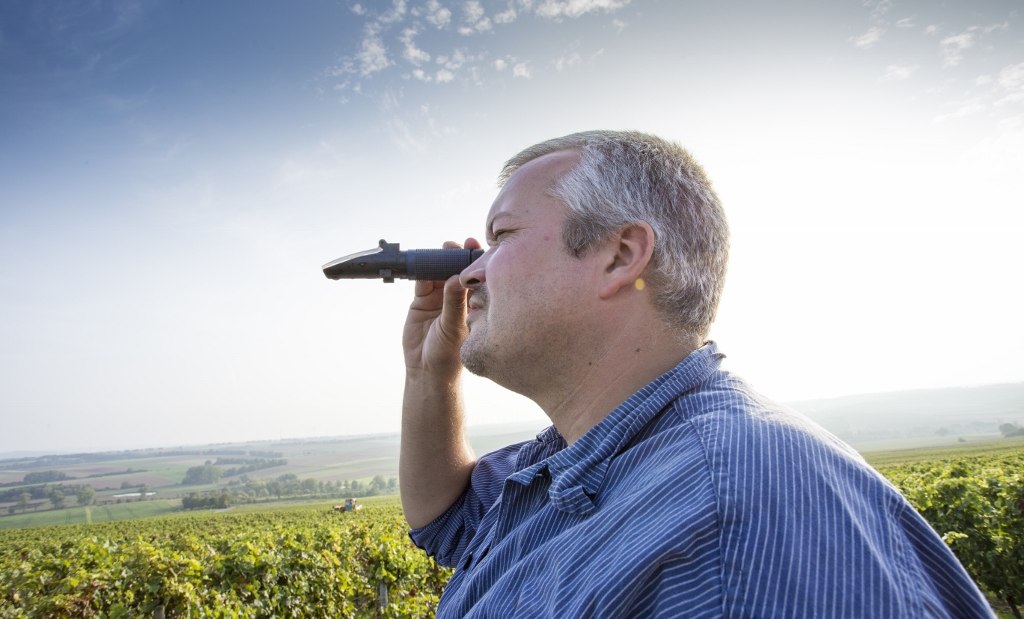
(666, 486)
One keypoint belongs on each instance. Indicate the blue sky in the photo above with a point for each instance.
(173, 174)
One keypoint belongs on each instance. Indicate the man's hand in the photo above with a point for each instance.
(436, 325)
(436, 462)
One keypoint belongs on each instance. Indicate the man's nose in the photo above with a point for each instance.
(474, 274)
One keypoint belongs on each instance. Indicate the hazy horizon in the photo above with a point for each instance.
(172, 177)
(826, 411)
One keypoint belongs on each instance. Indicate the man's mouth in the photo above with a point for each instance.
(476, 301)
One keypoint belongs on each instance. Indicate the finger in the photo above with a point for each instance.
(426, 288)
(423, 288)
(453, 312)
(472, 243)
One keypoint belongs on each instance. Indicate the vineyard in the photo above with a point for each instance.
(311, 562)
(976, 503)
(301, 562)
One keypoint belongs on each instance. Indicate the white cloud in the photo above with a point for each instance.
(931, 29)
(474, 11)
(412, 53)
(878, 8)
(619, 25)
(554, 9)
(1011, 83)
(506, 17)
(393, 34)
(373, 56)
(1015, 97)
(906, 22)
(437, 15)
(954, 46)
(475, 18)
(1003, 26)
(567, 61)
(899, 72)
(1012, 77)
(456, 61)
(397, 12)
(869, 38)
(967, 108)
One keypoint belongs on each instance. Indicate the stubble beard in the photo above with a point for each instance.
(473, 352)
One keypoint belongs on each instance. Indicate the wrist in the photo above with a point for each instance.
(443, 376)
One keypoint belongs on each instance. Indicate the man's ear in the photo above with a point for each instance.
(628, 253)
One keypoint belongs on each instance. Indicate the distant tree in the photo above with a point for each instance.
(309, 486)
(143, 489)
(392, 484)
(378, 485)
(1011, 429)
(42, 477)
(85, 495)
(57, 498)
(23, 500)
(206, 474)
(290, 484)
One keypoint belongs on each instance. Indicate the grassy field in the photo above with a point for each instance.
(957, 450)
(152, 508)
(91, 514)
(326, 460)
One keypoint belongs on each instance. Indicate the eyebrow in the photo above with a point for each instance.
(490, 224)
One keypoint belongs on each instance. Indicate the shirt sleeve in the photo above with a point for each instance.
(447, 537)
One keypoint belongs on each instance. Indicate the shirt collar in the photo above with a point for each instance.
(577, 471)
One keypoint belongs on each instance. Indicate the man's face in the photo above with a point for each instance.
(527, 293)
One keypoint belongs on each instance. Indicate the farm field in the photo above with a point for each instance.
(300, 561)
(92, 514)
(928, 453)
(973, 496)
(275, 559)
(162, 472)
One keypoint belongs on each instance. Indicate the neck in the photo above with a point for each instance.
(616, 368)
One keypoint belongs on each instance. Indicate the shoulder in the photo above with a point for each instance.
(738, 427)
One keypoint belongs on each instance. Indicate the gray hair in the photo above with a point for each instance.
(625, 177)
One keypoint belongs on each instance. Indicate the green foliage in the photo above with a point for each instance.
(42, 477)
(85, 495)
(310, 562)
(305, 562)
(206, 474)
(211, 500)
(976, 504)
(56, 497)
(1011, 429)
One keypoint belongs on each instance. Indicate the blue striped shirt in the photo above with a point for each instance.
(694, 498)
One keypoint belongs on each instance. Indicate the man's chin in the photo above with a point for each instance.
(473, 358)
